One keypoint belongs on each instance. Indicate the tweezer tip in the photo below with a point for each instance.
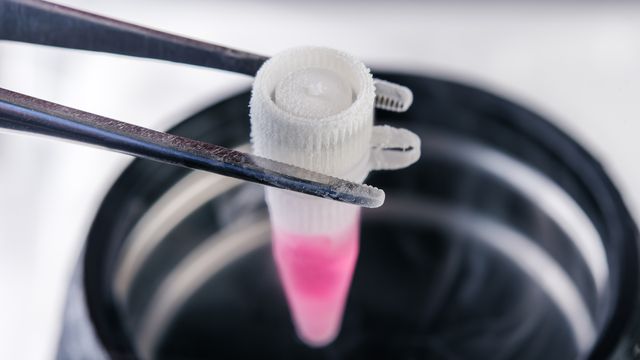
(374, 197)
(359, 194)
(294, 178)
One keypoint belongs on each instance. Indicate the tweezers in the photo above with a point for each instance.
(44, 23)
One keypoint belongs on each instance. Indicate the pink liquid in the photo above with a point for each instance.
(316, 273)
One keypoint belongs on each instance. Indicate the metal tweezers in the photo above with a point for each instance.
(39, 22)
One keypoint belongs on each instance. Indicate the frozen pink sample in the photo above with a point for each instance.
(316, 271)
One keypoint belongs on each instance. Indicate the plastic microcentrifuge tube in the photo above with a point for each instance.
(313, 107)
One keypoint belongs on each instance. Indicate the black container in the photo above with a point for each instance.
(505, 241)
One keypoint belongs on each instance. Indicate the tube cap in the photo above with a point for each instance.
(313, 107)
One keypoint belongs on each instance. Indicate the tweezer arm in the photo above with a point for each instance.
(27, 114)
(39, 22)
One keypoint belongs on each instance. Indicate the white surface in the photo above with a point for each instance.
(315, 93)
(580, 65)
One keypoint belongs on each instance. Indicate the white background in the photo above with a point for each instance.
(577, 63)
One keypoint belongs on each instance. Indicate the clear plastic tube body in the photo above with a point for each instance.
(313, 107)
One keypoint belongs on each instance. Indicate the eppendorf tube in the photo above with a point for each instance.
(313, 107)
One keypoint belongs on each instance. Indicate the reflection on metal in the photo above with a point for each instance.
(538, 189)
(192, 272)
(521, 250)
(195, 190)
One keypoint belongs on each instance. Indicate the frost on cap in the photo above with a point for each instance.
(313, 93)
(313, 107)
(297, 128)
